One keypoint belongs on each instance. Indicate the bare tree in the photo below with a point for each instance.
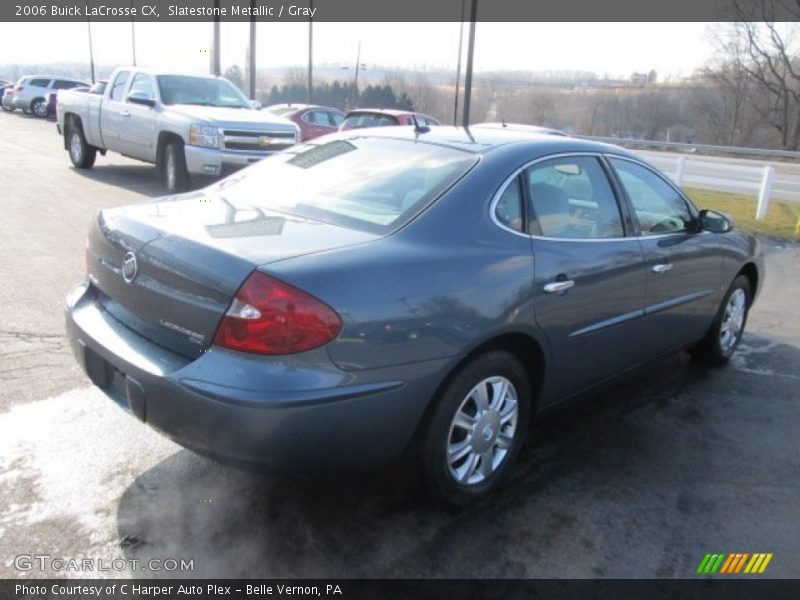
(765, 50)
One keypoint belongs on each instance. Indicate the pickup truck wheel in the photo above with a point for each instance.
(80, 153)
(176, 175)
(39, 108)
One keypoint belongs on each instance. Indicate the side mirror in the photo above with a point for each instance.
(141, 98)
(255, 104)
(715, 222)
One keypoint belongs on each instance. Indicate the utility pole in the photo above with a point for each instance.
(252, 59)
(310, 53)
(133, 37)
(458, 67)
(355, 81)
(215, 58)
(91, 50)
(470, 57)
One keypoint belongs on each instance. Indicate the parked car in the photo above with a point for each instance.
(52, 98)
(30, 91)
(373, 293)
(313, 120)
(182, 123)
(520, 127)
(5, 87)
(370, 117)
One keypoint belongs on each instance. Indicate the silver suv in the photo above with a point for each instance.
(29, 94)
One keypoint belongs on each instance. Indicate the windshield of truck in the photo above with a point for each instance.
(201, 91)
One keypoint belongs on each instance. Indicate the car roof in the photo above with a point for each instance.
(383, 111)
(153, 71)
(481, 140)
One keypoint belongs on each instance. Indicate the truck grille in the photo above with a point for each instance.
(258, 141)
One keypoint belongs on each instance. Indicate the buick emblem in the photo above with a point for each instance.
(129, 267)
(264, 141)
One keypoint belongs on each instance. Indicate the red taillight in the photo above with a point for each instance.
(268, 316)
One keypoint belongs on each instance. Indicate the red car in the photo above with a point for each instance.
(313, 120)
(372, 117)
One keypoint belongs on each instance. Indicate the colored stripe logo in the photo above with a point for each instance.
(736, 562)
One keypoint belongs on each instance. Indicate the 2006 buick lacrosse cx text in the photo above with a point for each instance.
(405, 291)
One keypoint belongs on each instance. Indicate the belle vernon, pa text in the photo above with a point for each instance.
(155, 591)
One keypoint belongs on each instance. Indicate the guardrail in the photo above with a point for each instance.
(695, 147)
(714, 173)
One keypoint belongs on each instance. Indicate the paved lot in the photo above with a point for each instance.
(640, 480)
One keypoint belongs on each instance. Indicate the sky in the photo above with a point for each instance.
(614, 49)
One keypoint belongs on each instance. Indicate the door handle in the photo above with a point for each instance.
(558, 286)
(662, 267)
(125, 113)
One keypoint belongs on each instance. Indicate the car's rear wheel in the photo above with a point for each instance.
(7, 107)
(39, 108)
(173, 168)
(81, 154)
(477, 429)
(725, 334)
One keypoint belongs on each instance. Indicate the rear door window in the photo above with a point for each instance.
(61, 84)
(508, 210)
(571, 198)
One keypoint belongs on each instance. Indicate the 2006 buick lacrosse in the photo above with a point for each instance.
(383, 291)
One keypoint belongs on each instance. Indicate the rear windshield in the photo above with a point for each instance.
(371, 184)
(369, 120)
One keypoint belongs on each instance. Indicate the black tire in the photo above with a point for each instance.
(173, 168)
(7, 108)
(441, 432)
(717, 347)
(81, 154)
(39, 108)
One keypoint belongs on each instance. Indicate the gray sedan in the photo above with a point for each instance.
(386, 293)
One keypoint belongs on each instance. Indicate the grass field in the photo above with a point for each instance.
(781, 220)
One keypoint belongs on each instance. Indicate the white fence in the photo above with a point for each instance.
(710, 173)
(759, 179)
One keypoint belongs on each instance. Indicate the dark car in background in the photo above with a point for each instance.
(373, 294)
(312, 119)
(4, 86)
(371, 117)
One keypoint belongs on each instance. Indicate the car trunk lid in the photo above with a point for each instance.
(186, 257)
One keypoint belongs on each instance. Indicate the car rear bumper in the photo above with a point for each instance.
(289, 413)
(212, 161)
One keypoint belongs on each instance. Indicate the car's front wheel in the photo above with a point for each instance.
(173, 168)
(477, 429)
(726, 332)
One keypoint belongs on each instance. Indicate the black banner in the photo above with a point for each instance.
(370, 589)
(393, 11)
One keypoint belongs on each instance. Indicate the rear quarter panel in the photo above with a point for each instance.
(437, 288)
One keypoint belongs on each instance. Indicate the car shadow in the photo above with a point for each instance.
(139, 178)
(233, 523)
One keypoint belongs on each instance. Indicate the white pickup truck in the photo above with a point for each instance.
(182, 123)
